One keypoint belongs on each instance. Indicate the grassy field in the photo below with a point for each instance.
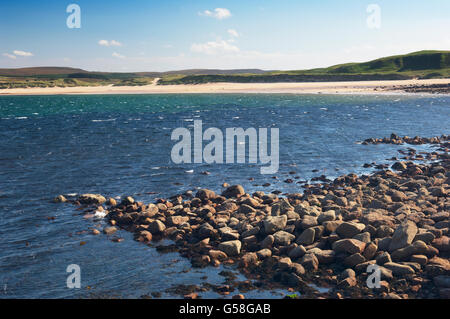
(73, 80)
(422, 65)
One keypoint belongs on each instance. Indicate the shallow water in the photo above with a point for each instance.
(120, 145)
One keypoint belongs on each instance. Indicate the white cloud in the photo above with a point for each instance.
(233, 33)
(218, 13)
(22, 53)
(11, 56)
(115, 43)
(117, 55)
(214, 47)
(112, 43)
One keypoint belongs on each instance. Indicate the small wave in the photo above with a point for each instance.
(190, 171)
(109, 120)
(157, 174)
(21, 118)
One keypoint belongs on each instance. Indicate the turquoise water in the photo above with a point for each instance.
(120, 145)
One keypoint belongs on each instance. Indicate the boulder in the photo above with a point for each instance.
(370, 251)
(297, 252)
(323, 256)
(145, 236)
(111, 202)
(306, 237)
(110, 230)
(264, 253)
(227, 234)
(349, 229)
(354, 260)
(327, 216)
(248, 259)
(364, 237)
(331, 226)
(403, 235)
(205, 194)
(156, 227)
(426, 237)
(231, 248)
(91, 199)
(283, 238)
(308, 222)
(177, 220)
(268, 241)
(310, 262)
(233, 191)
(127, 200)
(383, 258)
(246, 209)
(59, 199)
(399, 166)
(297, 269)
(399, 269)
(420, 259)
(284, 263)
(442, 243)
(273, 224)
(350, 246)
(217, 254)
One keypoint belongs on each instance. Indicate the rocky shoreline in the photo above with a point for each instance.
(433, 88)
(397, 218)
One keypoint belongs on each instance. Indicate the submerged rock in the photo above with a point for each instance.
(89, 199)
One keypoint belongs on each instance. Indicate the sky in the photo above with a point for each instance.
(148, 35)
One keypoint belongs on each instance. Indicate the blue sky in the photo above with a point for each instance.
(147, 35)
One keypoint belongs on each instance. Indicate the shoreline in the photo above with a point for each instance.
(359, 87)
(394, 218)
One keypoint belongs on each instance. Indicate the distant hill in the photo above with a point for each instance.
(422, 64)
(39, 71)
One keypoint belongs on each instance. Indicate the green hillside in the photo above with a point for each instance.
(422, 64)
(417, 61)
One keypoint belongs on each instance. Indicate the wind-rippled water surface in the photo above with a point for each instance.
(120, 145)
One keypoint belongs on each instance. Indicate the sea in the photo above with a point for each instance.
(120, 145)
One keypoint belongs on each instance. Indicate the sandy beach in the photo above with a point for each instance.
(361, 87)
